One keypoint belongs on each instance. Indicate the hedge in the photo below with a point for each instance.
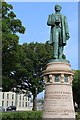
(78, 116)
(27, 115)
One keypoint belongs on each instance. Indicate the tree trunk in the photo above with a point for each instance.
(34, 102)
(16, 99)
(78, 105)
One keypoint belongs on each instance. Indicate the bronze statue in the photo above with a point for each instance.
(59, 32)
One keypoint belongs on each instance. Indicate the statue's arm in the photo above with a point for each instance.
(66, 29)
(50, 22)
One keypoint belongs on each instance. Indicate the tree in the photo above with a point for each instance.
(10, 42)
(35, 58)
(76, 87)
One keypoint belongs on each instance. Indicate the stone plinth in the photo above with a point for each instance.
(58, 101)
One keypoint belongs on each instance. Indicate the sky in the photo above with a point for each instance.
(34, 17)
(42, 0)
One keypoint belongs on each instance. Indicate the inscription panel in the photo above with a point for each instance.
(58, 102)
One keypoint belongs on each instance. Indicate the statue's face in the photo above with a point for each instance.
(57, 8)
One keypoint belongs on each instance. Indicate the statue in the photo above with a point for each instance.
(59, 32)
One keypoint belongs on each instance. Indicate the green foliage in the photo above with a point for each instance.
(9, 21)
(10, 44)
(36, 57)
(8, 83)
(76, 87)
(78, 117)
(29, 72)
(21, 63)
(28, 115)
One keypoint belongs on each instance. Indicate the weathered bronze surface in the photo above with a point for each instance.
(59, 32)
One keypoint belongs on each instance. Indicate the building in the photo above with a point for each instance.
(10, 98)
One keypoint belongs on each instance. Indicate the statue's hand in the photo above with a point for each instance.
(67, 36)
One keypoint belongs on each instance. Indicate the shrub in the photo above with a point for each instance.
(27, 115)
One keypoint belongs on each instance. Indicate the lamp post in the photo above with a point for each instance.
(36, 98)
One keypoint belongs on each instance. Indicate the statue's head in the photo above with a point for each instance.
(57, 8)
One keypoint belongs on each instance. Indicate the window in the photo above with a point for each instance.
(23, 104)
(26, 104)
(20, 97)
(7, 96)
(3, 96)
(12, 96)
(65, 78)
(19, 104)
(2, 103)
(23, 97)
(12, 103)
(48, 79)
(57, 79)
(7, 103)
(28, 98)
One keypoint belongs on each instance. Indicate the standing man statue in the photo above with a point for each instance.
(59, 32)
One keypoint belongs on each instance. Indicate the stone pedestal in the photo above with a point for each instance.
(58, 102)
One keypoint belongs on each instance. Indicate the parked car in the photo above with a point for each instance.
(2, 109)
(11, 108)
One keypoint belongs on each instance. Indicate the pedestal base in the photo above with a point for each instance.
(58, 101)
